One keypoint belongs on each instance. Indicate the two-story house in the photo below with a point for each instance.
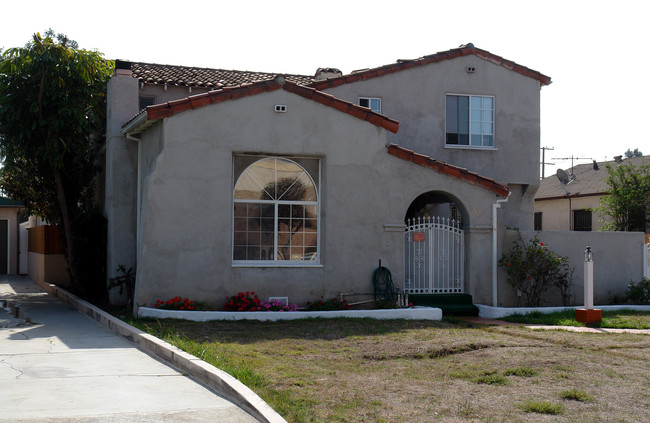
(297, 187)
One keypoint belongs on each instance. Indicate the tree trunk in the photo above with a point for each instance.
(68, 230)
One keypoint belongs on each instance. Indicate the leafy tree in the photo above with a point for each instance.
(636, 153)
(626, 204)
(52, 124)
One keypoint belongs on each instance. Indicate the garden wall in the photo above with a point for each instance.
(617, 257)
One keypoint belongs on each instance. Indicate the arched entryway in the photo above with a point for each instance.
(434, 253)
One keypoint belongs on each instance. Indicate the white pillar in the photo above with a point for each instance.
(589, 283)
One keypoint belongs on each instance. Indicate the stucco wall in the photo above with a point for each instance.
(557, 216)
(416, 97)
(617, 257)
(185, 233)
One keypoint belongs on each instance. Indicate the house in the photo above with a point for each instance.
(571, 208)
(299, 187)
(10, 243)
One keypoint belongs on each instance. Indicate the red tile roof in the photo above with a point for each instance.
(159, 111)
(464, 50)
(189, 76)
(447, 169)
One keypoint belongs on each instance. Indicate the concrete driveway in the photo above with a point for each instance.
(57, 365)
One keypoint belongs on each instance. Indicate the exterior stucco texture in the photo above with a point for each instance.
(186, 182)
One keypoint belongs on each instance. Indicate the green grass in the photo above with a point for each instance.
(492, 378)
(521, 372)
(542, 407)
(615, 319)
(576, 395)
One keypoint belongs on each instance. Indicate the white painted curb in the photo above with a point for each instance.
(417, 313)
(489, 312)
(218, 380)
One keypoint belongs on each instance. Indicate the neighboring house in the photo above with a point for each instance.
(573, 208)
(10, 248)
(298, 187)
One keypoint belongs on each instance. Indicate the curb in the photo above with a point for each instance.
(217, 380)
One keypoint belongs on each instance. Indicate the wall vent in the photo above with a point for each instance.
(470, 69)
(280, 108)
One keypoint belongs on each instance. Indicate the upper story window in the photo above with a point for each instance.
(275, 214)
(372, 103)
(470, 120)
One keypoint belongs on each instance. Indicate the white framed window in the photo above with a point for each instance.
(275, 214)
(470, 120)
(373, 103)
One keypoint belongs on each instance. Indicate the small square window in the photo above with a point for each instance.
(372, 103)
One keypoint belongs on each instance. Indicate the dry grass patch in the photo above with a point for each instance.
(354, 370)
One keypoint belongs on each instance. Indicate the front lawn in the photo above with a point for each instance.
(354, 370)
(618, 319)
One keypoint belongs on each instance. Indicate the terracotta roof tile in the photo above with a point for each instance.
(401, 65)
(186, 76)
(159, 111)
(448, 169)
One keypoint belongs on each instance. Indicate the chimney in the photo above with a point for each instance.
(327, 73)
(123, 68)
(618, 159)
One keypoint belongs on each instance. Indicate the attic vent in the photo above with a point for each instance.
(470, 69)
(280, 108)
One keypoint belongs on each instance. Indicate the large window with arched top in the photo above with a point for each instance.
(275, 214)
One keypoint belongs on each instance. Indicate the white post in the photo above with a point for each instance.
(589, 280)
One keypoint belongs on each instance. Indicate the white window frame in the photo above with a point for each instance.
(370, 103)
(469, 146)
(315, 262)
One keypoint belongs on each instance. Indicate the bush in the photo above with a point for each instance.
(176, 303)
(638, 292)
(328, 305)
(244, 301)
(532, 269)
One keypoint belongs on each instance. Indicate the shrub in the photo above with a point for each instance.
(532, 269)
(244, 301)
(521, 372)
(638, 292)
(176, 303)
(328, 305)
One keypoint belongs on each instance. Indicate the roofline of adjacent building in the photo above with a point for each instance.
(464, 50)
(559, 197)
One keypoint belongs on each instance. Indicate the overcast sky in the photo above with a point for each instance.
(594, 51)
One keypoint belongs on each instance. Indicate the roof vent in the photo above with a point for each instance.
(618, 159)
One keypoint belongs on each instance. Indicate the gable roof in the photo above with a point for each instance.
(151, 114)
(586, 180)
(8, 202)
(448, 169)
(187, 76)
(400, 65)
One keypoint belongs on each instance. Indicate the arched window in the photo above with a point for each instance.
(275, 214)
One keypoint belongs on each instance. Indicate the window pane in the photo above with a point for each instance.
(375, 105)
(488, 140)
(364, 102)
(452, 115)
(463, 139)
(488, 103)
(476, 139)
(476, 102)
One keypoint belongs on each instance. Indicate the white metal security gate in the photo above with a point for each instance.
(434, 256)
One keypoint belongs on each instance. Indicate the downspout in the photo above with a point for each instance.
(495, 206)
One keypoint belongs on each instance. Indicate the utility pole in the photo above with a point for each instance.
(572, 158)
(543, 160)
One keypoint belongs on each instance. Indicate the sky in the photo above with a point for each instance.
(594, 51)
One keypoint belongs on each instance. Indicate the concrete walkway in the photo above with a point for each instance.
(497, 322)
(57, 365)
